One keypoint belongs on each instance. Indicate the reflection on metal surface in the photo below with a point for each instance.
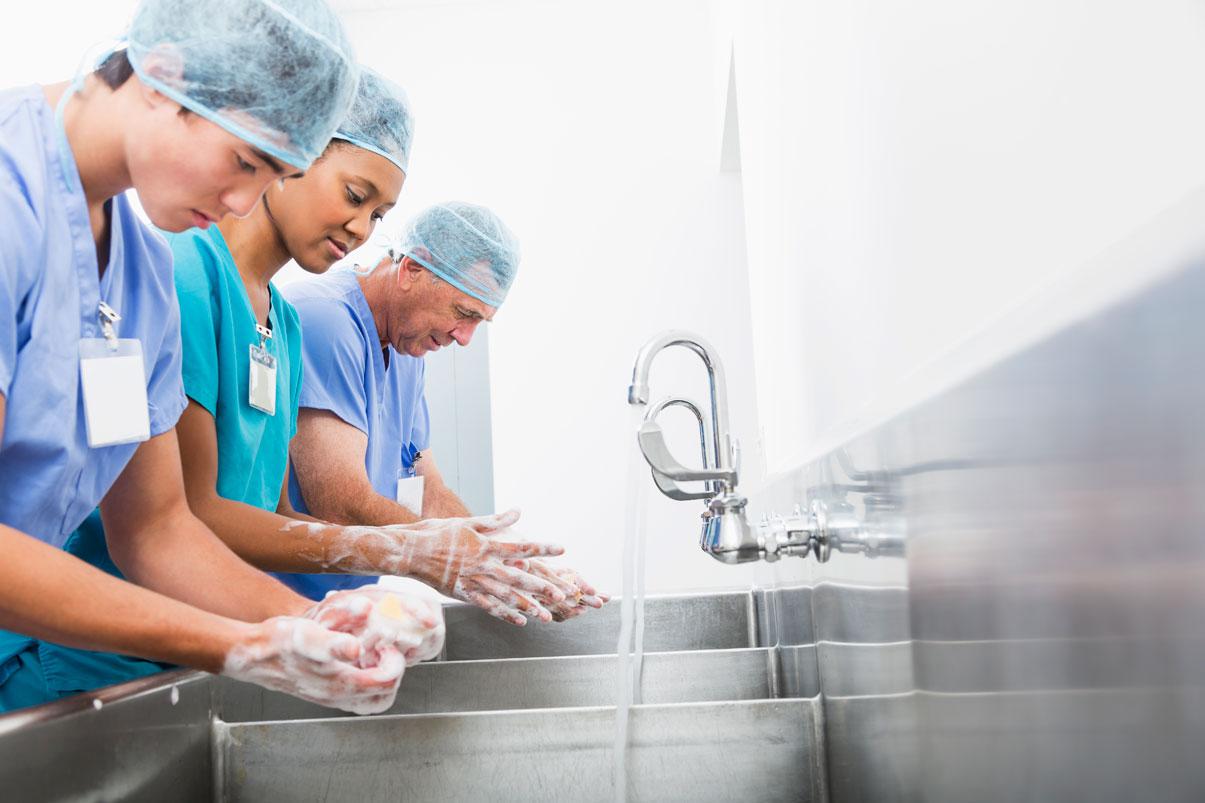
(759, 750)
(1041, 634)
(138, 746)
(510, 684)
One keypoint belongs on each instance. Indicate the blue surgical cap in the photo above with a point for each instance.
(465, 245)
(278, 74)
(380, 119)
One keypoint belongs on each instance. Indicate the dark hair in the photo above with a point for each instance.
(115, 70)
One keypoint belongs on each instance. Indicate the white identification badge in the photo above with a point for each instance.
(261, 384)
(113, 381)
(410, 493)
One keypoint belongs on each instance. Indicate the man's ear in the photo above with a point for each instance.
(409, 272)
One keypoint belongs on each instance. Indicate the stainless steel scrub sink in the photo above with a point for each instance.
(505, 713)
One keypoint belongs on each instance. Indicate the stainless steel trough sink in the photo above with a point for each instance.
(506, 713)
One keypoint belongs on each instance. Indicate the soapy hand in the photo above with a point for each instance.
(463, 559)
(305, 659)
(460, 557)
(384, 621)
(579, 594)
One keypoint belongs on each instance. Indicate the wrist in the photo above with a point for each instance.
(231, 634)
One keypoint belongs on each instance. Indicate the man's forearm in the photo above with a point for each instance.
(49, 594)
(212, 578)
(439, 502)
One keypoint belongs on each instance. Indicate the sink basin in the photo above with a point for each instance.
(762, 750)
(504, 713)
(671, 624)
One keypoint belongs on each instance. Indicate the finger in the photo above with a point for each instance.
(390, 661)
(367, 682)
(496, 607)
(527, 582)
(564, 614)
(515, 598)
(582, 584)
(494, 522)
(345, 613)
(426, 613)
(345, 648)
(541, 569)
(515, 550)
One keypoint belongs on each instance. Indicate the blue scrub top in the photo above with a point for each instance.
(253, 448)
(50, 480)
(346, 374)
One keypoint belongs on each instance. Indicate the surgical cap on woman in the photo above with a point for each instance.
(380, 119)
(278, 74)
(465, 245)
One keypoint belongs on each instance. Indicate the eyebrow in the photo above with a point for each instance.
(363, 180)
(272, 163)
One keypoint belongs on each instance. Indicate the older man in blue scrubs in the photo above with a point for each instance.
(363, 425)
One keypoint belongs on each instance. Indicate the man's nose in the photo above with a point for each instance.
(241, 199)
(463, 333)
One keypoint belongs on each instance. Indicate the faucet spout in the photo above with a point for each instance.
(638, 391)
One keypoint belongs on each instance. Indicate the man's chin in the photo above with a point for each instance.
(172, 223)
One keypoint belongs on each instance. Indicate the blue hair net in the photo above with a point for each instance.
(380, 119)
(465, 245)
(278, 74)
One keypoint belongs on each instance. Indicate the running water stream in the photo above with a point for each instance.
(631, 608)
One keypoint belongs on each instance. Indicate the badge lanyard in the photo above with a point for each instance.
(113, 383)
(261, 382)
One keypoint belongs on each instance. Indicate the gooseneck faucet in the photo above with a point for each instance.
(726, 533)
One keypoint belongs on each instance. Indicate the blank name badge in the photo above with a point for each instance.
(261, 385)
(113, 381)
(410, 493)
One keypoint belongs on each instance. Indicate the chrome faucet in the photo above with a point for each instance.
(727, 535)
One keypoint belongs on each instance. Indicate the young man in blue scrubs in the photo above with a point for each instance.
(363, 422)
(199, 114)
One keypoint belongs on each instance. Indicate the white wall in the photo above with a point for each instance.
(593, 130)
(912, 171)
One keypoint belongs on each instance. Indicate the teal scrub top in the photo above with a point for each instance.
(218, 329)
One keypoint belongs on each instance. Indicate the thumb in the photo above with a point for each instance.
(495, 522)
(345, 647)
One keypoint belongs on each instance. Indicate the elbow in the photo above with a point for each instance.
(336, 508)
